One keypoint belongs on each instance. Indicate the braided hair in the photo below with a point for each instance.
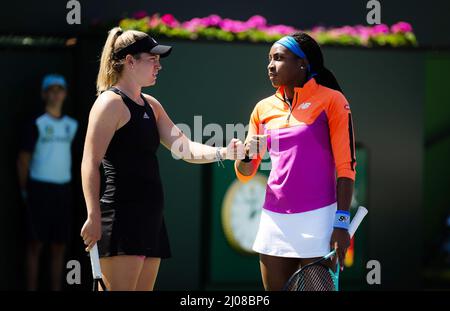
(315, 57)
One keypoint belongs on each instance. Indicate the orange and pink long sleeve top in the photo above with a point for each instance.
(310, 143)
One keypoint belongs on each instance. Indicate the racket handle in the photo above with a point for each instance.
(357, 219)
(95, 262)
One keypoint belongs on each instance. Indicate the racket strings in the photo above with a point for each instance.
(312, 278)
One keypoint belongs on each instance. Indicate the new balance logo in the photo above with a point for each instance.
(304, 106)
(146, 116)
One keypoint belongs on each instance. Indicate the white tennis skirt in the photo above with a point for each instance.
(299, 235)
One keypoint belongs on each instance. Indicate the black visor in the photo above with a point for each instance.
(144, 45)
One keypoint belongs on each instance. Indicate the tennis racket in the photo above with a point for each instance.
(318, 277)
(96, 270)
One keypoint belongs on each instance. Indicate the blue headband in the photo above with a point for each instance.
(292, 45)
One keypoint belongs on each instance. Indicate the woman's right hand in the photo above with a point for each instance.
(256, 145)
(91, 231)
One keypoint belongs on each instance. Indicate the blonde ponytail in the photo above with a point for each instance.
(110, 68)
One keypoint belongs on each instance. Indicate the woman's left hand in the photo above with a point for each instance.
(340, 240)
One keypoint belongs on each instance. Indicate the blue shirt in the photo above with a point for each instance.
(49, 139)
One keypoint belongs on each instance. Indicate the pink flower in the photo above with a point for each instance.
(364, 35)
(226, 24)
(154, 21)
(278, 30)
(240, 27)
(334, 33)
(233, 26)
(401, 27)
(348, 30)
(318, 29)
(360, 28)
(256, 21)
(140, 14)
(380, 29)
(204, 21)
(193, 24)
(268, 30)
(212, 20)
(170, 20)
(362, 32)
(282, 29)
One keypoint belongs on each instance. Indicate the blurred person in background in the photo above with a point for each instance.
(44, 170)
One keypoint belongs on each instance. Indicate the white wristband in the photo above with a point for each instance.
(219, 157)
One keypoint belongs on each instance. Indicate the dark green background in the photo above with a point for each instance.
(394, 95)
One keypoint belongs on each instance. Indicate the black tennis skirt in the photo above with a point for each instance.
(133, 228)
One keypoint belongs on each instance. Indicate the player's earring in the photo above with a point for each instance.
(302, 67)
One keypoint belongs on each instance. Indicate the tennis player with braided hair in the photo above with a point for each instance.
(307, 128)
(124, 132)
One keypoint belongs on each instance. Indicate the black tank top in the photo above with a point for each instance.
(131, 168)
